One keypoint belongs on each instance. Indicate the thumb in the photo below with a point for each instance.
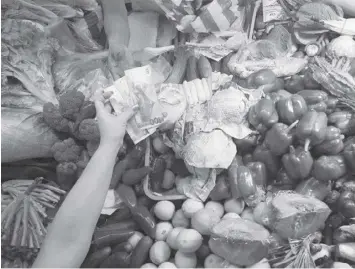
(100, 108)
(128, 113)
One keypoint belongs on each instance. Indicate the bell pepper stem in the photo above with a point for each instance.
(306, 144)
(289, 128)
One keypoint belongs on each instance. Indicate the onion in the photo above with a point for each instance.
(342, 46)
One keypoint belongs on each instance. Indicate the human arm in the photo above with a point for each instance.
(117, 32)
(69, 236)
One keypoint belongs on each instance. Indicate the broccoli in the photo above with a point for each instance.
(92, 146)
(87, 111)
(54, 119)
(82, 162)
(89, 130)
(66, 151)
(70, 104)
(66, 175)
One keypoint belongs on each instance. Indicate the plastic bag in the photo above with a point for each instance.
(199, 184)
(24, 135)
(84, 72)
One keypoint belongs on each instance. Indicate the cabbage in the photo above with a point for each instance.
(27, 83)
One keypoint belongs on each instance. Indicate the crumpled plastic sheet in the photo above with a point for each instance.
(199, 184)
(216, 16)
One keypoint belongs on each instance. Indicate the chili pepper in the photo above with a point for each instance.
(157, 174)
(279, 138)
(120, 214)
(127, 195)
(125, 224)
(297, 163)
(131, 161)
(117, 260)
(263, 115)
(95, 259)
(139, 189)
(141, 252)
(314, 188)
(329, 168)
(247, 144)
(312, 128)
(279, 95)
(291, 109)
(233, 176)
(271, 161)
(313, 97)
(101, 240)
(344, 120)
(144, 219)
(134, 176)
(294, 84)
(333, 143)
(259, 173)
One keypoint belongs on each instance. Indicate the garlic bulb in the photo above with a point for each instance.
(342, 46)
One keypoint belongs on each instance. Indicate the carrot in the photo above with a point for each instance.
(95, 259)
(127, 195)
(134, 176)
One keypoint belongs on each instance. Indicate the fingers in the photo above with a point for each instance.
(100, 108)
(128, 113)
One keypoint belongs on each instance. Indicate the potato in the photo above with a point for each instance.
(234, 205)
(180, 220)
(185, 260)
(189, 240)
(159, 252)
(172, 237)
(164, 210)
(162, 230)
(191, 206)
(168, 180)
(216, 207)
(247, 214)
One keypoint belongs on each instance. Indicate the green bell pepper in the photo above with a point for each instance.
(315, 99)
(311, 128)
(263, 115)
(344, 120)
(279, 95)
(233, 176)
(294, 84)
(279, 138)
(297, 163)
(291, 109)
(282, 181)
(333, 143)
(331, 103)
(329, 168)
(259, 173)
(272, 162)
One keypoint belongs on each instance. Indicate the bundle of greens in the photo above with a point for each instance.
(23, 215)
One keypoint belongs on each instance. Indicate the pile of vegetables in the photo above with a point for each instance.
(302, 142)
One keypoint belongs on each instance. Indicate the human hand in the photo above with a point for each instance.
(119, 60)
(112, 127)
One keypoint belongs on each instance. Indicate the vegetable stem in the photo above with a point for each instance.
(15, 232)
(306, 144)
(289, 128)
(25, 222)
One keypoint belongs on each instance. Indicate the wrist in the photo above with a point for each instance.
(110, 147)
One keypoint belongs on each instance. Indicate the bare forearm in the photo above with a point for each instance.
(116, 22)
(76, 219)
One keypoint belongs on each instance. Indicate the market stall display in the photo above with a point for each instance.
(242, 150)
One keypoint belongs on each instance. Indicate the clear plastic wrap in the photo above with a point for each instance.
(239, 241)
